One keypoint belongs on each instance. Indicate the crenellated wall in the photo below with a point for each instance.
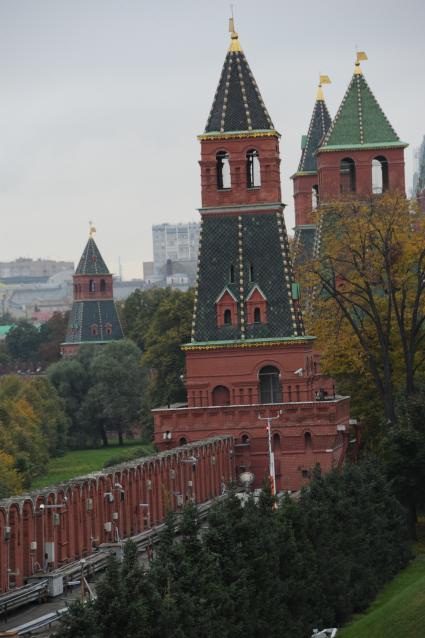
(69, 520)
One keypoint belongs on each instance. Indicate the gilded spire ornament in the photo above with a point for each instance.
(324, 79)
(361, 55)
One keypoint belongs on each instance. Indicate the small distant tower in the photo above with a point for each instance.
(306, 180)
(94, 318)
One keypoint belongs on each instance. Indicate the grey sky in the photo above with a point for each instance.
(101, 102)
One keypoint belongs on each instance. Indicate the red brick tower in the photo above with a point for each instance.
(306, 181)
(361, 153)
(249, 355)
(94, 318)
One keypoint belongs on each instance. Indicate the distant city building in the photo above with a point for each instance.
(24, 270)
(175, 255)
(94, 318)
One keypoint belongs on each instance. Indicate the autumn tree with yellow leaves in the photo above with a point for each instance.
(367, 285)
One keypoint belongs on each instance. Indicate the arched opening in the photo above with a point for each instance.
(227, 318)
(102, 285)
(347, 175)
(253, 170)
(92, 285)
(276, 442)
(379, 175)
(108, 328)
(257, 315)
(232, 274)
(245, 439)
(223, 170)
(270, 386)
(221, 395)
(93, 329)
(308, 442)
(182, 441)
(314, 197)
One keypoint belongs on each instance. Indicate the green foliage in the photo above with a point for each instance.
(23, 341)
(159, 321)
(257, 570)
(102, 390)
(33, 426)
(52, 335)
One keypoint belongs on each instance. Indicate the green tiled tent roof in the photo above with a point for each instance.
(304, 239)
(360, 121)
(91, 262)
(86, 314)
(319, 125)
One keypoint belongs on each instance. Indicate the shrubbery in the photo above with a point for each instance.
(256, 571)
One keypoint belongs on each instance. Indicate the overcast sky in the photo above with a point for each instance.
(101, 102)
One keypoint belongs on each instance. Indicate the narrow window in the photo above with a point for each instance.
(232, 274)
(245, 439)
(257, 315)
(102, 285)
(108, 328)
(379, 175)
(314, 197)
(223, 170)
(308, 443)
(276, 442)
(93, 329)
(270, 386)
(92, 285)
(253, 177)
(228, 317)
(251, 272)
(347, 175)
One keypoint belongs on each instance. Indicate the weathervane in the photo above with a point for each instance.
(92, 229)
(360, 55)
(323, 79)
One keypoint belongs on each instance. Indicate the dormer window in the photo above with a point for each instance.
(226, 308)
(223, 170)
(253, 172)
(93, 329)
(256, 306)
(108, 328)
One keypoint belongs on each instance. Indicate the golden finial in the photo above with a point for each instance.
(361, 55)
(92, 229)
(324, 79)
(234, 43)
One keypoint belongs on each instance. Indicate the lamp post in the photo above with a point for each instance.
(272, 472)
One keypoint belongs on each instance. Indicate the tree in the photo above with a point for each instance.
(102, 389)
(10, 481)
(52, 334)
(23, 342)
(370, 279)
(117, 388)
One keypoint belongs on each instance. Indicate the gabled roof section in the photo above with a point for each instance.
(91, 262)
(360, 122)
(319, 126)
(238, 105)
(223, 293)
(255, 288)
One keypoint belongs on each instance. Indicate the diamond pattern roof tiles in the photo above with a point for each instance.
(91, 262)
(319, 125)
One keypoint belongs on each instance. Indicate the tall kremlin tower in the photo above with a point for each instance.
(249, 358)
(93, 318)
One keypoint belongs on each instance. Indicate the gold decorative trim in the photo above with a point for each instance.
(237, 135)
(271, 344)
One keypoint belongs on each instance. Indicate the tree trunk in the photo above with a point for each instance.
(120, 438)
(104, 436)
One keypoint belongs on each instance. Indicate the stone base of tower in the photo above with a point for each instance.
(304, 434)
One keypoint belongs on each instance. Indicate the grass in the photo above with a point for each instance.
(398, 611)
(80, 462)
